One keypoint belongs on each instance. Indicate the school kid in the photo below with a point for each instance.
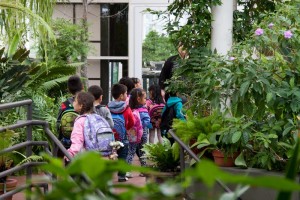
(129, 84)
(137, 82)
(101, 110)
(155, 105)
(120, 111)
(74, 86)
(83, 104)
(175, 103)
(137, 104)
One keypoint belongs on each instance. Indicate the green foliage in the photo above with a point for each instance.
(291, 171)
(196, 32)
(69, 47)
(21, 16)
(157, 47)
(208, 173)
(258, 81)
(6, 159)
(253, 12)
(161, 156)
(13, 73)
(98, 181)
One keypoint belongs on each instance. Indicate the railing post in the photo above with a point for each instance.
(29, 147)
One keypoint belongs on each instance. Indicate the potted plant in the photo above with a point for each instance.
(162, 158)
(197, 130)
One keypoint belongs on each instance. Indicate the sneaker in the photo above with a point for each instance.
(129, 175)
(142, 175)
(122, 179)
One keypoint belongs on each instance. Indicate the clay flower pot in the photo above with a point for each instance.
(222, 160)
(11, 184)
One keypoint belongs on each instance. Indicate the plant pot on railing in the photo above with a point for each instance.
(10, 185)
(223, 160)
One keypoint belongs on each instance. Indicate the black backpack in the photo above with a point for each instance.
(167, 118)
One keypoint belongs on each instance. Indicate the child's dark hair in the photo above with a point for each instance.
(117, 90)
(74, 84)
(128, 82)
(96, 91)
(135, 80)
(135, 93)
(156, 94)
(173, 94)
(86, 100)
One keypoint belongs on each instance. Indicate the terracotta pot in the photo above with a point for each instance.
(11, 184)
(222, 160)
(195, 149)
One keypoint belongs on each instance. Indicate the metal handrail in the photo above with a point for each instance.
(184, 147)
(29, 143)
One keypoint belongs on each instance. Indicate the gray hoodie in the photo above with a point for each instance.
(104, 112)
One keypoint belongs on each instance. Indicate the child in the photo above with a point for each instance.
(137, 82)
(129, 84)
(86, 134)
(101, 110)
(155, 105)
(74, 85)
(172, 109)
(136, 103)
(123, 120)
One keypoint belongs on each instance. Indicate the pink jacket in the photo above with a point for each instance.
(77, 137)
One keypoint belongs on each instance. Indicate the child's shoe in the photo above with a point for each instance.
(122, 179)
(129, 175)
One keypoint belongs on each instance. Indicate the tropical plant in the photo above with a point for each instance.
(13, 73)
(6, 159)
(22, 16)
(85, 182)
(258, 80)
(196, 32)
(204, 171)
(161, 156)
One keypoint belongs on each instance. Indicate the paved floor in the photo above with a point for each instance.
(136, 180)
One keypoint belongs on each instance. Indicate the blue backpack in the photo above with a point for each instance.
(97, 134)
(119, 127)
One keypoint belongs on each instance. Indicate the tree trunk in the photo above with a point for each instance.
(83, 69)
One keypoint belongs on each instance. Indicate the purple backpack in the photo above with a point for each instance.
(97, 134)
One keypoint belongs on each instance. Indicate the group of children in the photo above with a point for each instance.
(130, 115)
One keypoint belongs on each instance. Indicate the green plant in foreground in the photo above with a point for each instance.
(98, 173)
(99, 179)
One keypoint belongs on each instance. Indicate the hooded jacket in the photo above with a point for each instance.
(118, 107)
(178, 107)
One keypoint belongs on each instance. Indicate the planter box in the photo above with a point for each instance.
(200, 191)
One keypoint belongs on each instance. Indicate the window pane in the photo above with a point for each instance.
(114, 29)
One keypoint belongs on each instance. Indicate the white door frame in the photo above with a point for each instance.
(136, 7)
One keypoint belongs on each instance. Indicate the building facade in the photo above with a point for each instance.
(116, 31)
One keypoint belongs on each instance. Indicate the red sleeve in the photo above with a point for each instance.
(129, 118)
(63, 106)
